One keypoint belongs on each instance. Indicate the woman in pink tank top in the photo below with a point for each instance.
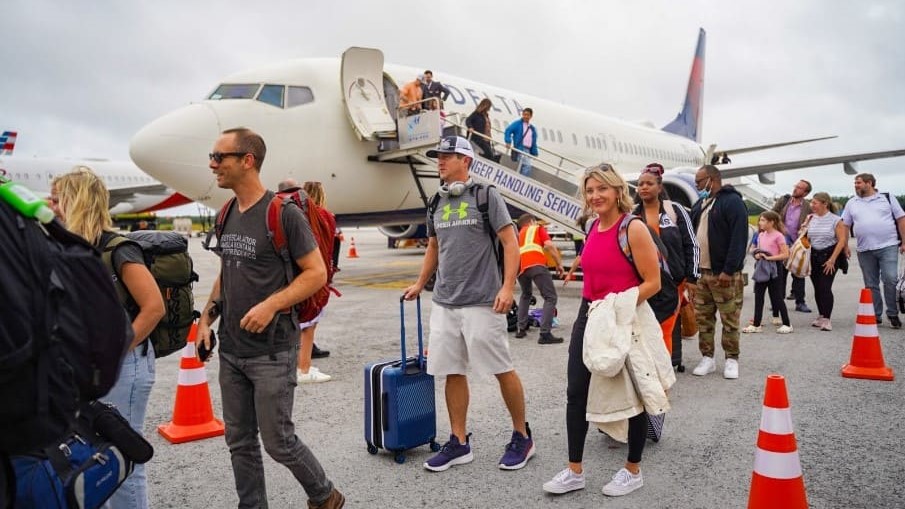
(606, 270)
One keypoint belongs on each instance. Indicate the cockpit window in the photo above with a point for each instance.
(272, 94)
(235, 91)
(298, 96)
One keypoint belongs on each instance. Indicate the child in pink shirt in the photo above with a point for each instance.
(770, 248)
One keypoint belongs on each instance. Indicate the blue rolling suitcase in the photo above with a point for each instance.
(400, 411)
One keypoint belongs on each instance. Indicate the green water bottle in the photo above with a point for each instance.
(26, 202)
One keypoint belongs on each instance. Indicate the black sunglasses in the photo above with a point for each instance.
(219, 156)
(603, 168)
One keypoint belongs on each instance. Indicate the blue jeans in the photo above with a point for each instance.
(257, 395)
(881, 265)
(524, 165)
(130, 395)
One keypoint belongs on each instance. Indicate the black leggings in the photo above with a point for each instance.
(823, 283)
(775, 287)
(577, 399)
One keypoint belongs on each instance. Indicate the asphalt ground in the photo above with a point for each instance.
(849, 431)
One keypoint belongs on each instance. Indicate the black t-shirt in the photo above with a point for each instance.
(251, 270)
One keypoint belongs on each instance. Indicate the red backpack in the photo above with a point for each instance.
(323, 226)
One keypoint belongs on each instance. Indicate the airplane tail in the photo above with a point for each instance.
(688, 122)
(7, 143)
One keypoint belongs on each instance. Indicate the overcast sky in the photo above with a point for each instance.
(80, 78)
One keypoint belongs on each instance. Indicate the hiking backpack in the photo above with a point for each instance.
(323, 227)
(665, 302)
(63, 333)
(166, 256)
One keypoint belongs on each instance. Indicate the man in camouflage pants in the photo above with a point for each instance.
(720, 219)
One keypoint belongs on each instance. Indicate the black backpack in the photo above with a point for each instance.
(63, 333)
(166, 254)
(664, 303)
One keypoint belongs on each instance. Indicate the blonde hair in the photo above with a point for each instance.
(316, 191)
(84, 203)
(605, 173)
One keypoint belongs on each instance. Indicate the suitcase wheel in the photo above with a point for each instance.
(434, 446)
(399, 457)
(372, 448)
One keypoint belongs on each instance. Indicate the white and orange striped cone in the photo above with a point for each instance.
(193, 415)
(777, 480)
(866, 360)
(353, 253)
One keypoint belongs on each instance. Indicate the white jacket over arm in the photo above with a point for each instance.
(630, 367)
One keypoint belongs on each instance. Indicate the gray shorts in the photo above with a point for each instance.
(473, 336)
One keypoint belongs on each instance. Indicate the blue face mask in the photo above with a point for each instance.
(705, 193)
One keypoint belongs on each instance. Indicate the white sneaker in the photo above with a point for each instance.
(784, 329)
(827, 325)
(623, 483)
(313, 375)
(731, 369)
(564, 482)
(706, 366)
(753, 329)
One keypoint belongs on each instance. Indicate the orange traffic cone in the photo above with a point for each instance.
(867, 356)
(777, 479)
(353, 253)
(193, 416)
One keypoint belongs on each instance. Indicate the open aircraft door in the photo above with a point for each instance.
(362, 82)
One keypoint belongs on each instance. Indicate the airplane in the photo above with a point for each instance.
(131, 190)
(344, 134)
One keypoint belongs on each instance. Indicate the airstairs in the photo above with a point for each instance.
(549, 192)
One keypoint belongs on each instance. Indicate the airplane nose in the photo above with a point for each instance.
(173, 149)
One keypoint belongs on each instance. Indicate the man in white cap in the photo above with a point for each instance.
(471, 299)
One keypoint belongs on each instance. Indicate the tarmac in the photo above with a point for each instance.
(849, 432)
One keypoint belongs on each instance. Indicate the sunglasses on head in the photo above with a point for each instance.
(654, 168)
(603, 168)
(218, 157)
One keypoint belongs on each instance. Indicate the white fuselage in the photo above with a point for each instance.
(132, 190)
(316, 141)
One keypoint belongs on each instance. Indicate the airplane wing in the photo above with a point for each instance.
(742, 150)
(730, 171)
(128, 193)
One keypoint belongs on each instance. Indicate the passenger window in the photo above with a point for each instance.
(272, 94)
(575, 139)
(298, 96)
(235, 91)
(559, 136)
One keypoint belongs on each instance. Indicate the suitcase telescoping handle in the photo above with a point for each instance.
(420, 332)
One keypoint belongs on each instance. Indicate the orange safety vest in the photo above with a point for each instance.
(530, 252)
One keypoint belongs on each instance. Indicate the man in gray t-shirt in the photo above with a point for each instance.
(259, 348)
(468, 319)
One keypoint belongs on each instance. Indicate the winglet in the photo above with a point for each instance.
(7, 143)
(688, 122)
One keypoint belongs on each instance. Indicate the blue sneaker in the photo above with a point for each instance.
(518, 452)
(452, 453)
